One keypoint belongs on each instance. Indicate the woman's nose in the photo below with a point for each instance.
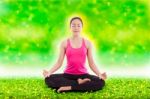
(76, 27)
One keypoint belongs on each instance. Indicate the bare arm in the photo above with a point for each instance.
(91, 60)
(59, 62)
(60, 59)
(92, 63)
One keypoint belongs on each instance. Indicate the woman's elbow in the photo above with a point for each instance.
(59, 63)
(91, 64)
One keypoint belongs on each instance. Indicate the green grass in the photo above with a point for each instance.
(35, 88)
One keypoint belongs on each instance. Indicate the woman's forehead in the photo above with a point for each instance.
(76, 21)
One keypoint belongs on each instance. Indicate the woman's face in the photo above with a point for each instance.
(76, 27)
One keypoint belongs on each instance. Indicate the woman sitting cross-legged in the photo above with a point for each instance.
(75, 76)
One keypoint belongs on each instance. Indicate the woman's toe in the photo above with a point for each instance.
(87, 79)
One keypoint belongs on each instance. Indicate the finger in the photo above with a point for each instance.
(100, 77)
(43, 73)
(44, 76)
(44, 70)
(103, 78)
(104, 74)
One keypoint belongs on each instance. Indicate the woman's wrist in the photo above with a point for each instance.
(49, 73)
(99, 75)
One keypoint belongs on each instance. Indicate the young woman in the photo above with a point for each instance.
(75, 76)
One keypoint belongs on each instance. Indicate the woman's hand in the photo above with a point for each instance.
(46, 73)
(102, 76)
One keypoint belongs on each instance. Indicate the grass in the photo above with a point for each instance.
(18, 88)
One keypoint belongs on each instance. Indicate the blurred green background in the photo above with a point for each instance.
(31, 30)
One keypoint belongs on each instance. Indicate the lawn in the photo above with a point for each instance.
(18, 88)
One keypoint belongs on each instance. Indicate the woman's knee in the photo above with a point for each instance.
(48, 78)
(49, 82)
(98, 84)
(51, 77)
(101, 83)
(53, 80)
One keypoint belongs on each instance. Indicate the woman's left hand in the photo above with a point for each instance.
(102, 76)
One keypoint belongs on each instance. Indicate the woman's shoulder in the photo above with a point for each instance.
(64, 42)
(87, 42)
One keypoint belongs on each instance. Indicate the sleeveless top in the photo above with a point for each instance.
(76, 59)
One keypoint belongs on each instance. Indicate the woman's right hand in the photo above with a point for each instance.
(46, 73)
(103, 76)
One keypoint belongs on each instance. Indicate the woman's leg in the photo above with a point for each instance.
(95, 84)
(58, 80)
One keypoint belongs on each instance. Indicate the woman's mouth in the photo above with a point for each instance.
(76, 31)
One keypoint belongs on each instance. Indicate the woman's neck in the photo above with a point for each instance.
(76, 37)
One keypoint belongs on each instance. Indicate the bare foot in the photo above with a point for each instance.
(81, 81)
(64, 88)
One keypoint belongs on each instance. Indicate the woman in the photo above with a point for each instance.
(75, 76)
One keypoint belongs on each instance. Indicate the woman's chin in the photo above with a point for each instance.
(76, 33)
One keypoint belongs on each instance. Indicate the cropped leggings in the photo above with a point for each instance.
(56, 81)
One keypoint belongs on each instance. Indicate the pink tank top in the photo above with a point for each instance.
(76, 58)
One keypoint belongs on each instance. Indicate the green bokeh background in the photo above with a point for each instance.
(31, 30)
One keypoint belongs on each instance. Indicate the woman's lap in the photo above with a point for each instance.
(63, 79)
(58, 80)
